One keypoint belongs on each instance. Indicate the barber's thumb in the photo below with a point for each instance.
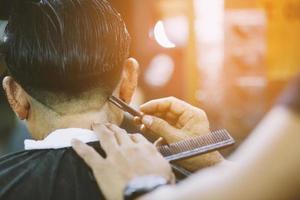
(161, 128)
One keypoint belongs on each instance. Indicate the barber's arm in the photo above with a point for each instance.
(175, 120)
(266, 166)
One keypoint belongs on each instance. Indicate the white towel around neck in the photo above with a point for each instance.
(61, 138)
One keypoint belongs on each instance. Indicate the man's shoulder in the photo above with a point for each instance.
(14, 157)
(41, 174)
(28, 160)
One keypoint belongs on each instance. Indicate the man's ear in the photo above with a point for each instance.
(16, 97)
(129, 80)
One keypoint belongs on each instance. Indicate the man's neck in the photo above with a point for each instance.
(51, 122)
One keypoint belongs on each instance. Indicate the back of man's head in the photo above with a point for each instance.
(60, 50)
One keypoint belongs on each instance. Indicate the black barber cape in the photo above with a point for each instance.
(47, 175)
(51, 174)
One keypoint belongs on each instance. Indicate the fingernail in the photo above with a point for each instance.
(137, 120)
(143, 127)
(147, 120)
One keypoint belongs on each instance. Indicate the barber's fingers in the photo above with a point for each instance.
(137, 120)
(164, 105)
(121, 135)
(175, 111)
(91, 157)
(138, 138)
(171, 109)
(159, 142)
(106, 137)
(162, 128)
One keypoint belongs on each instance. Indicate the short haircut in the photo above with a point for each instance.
(65, 47)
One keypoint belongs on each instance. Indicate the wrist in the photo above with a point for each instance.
(140, 186)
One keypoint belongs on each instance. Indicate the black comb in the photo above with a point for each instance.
(196, 145)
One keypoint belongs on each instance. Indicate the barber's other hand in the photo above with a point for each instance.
(128, 156)
(175, 120)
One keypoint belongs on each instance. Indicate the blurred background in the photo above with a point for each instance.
(230, 57)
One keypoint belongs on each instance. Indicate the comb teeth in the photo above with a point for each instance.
(196, 145)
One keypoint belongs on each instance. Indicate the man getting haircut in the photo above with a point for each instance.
(64, 59)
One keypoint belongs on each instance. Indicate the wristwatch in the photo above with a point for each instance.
(143, 185)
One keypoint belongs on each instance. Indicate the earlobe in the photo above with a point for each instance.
(129, 80)
(16, 97)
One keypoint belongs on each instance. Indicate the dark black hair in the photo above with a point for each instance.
(5, 9)
(65, 47)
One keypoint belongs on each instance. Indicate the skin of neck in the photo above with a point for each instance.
(42, 121)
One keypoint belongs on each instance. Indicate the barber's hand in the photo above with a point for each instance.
(175, 120)
(128, 156)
